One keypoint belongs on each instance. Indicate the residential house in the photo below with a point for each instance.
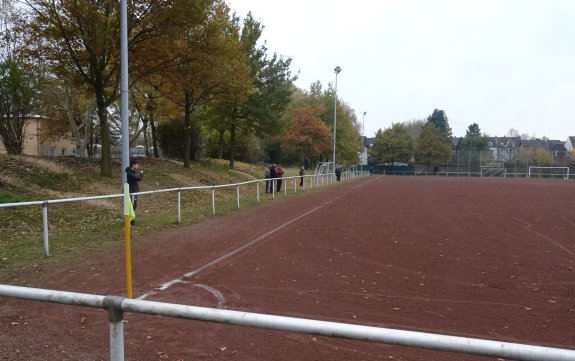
(503, 148)
(570, 144)
(556, 149)
(367, 144)
(547, 144)
(37, 144)
(455, 143)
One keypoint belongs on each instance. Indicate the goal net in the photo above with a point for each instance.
(492, 172)
(549, 172)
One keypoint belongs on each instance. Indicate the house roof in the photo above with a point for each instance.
(551, 144)
(455, 141)
(504, 142)
(559, 147)
(368, 142)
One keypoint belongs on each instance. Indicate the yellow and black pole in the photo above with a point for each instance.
(128, 216)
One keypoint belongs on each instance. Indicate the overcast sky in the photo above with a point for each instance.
(499, 63)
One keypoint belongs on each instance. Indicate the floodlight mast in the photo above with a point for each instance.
(363, 125)
(337, 70)
(124, 89)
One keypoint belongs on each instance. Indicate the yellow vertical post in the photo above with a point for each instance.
(128, 216)
(128, 255)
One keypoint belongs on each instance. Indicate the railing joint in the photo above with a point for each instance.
(113, 304)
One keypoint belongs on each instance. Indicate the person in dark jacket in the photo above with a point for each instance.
(135, 175)
(273, 175)
(338, 173)
(267, 176)
(301, 174)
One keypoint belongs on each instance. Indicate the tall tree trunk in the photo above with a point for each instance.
(80, 140)
(105, 156)
(232, 145)
(85, 148)
(196, 140)
(13, 134)
(150, 109)
(90, 140)
(221, 144)
(145, 131)
(187, 129)
(154, 138)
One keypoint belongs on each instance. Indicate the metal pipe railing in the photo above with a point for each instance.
(45, 203)
(116, 306)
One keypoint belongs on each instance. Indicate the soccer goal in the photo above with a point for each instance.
(493, 172)
(549, 172)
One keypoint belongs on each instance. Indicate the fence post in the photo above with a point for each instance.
(116, 319)
(45, 227)
(214, 201)
(238, 193)
(179, 207)
(258, 190)
(285, 187)
(294, 185)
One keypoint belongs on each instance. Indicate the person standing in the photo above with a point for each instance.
(135, 175)
(338, 173)
(301, 174)
(279, 175)
(267, 176)
(273, 175)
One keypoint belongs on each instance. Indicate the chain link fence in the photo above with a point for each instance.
(519, 163)
(523, 163)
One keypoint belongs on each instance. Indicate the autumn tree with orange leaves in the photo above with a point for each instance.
(307, 135)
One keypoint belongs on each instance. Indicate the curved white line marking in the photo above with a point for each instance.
(217, 294)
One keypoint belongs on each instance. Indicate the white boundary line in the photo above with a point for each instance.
(181, 279)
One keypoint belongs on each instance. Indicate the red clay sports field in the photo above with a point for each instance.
(486, 258)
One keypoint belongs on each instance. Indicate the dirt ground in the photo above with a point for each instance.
(486, 258)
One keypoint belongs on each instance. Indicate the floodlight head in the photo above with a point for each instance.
(337, 69)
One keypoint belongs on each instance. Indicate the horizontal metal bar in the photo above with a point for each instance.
(67, 200)
(56, 201)
(424, 340)
(38, 294)
(467, 345)
(21, 204)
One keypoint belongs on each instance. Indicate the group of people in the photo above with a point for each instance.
(273, 173)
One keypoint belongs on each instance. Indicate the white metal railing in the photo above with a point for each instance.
(116, 306)
(317, 179)
(506, 174)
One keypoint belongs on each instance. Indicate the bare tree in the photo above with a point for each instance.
(414, 128)
(513, 133)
